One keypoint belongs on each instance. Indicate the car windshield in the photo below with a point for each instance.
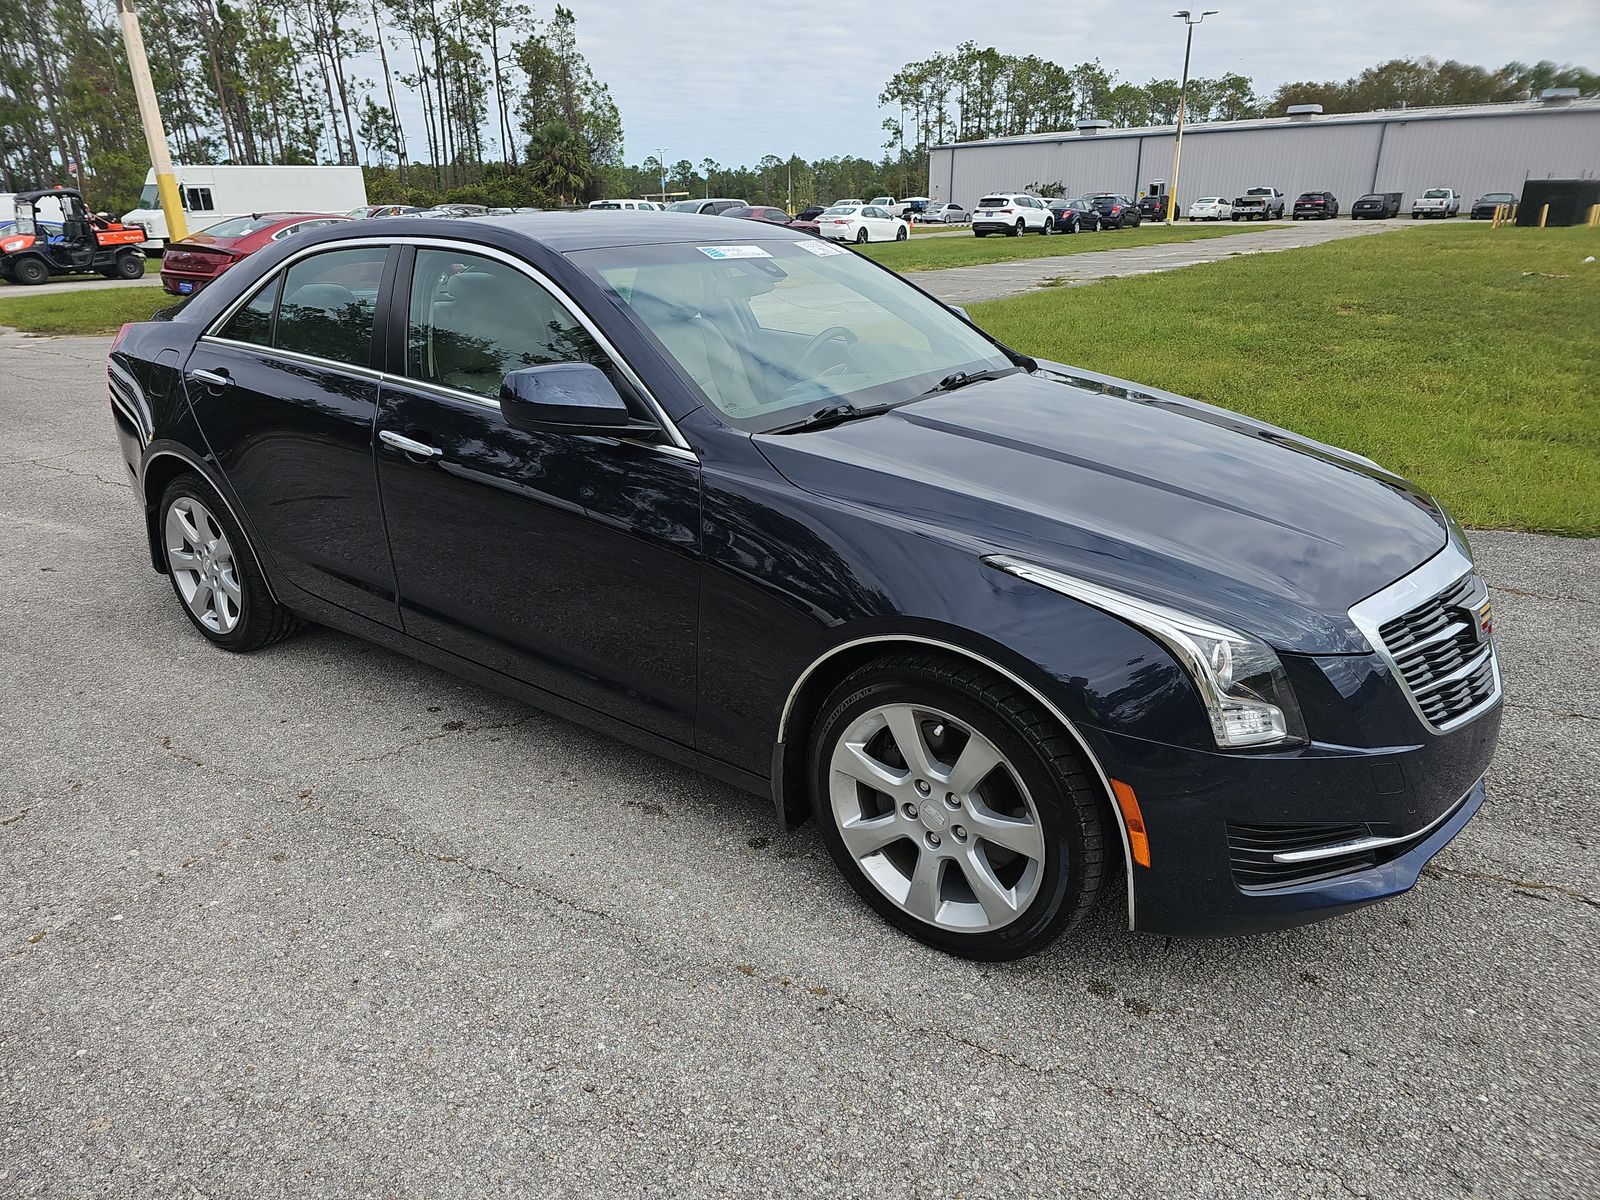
(1209, 200)
(1435, 194)
(685, 206)
(147, 196)
(1500, 197)
(238, 227)
(840, 210)
(771, 332)
(993, 202)
(1259, 192)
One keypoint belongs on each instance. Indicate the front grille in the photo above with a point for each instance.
(1251, 847)
(1436, 648)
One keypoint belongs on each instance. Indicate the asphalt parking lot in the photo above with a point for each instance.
(323, 921)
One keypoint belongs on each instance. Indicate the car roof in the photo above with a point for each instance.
(582, 229)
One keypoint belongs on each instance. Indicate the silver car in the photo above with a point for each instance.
(944, 214)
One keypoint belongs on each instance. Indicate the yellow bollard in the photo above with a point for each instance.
(1594, 216)
(1543, 213)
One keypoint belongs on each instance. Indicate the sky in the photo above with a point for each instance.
(732, 80)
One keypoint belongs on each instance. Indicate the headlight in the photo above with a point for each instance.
(16, 244)
(1240, 680)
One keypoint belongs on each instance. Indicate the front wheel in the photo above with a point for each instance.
(213, 571)
(900, 234)
(862, 236)
(31, 271)
(956, 807)
(980, 233)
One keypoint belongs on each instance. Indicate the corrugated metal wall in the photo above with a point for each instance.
(1474, 154)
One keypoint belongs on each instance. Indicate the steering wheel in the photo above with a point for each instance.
(833, 333)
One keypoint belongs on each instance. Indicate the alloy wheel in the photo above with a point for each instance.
(936, 817)
(201, 560)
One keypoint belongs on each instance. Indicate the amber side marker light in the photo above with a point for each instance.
(1138, 840)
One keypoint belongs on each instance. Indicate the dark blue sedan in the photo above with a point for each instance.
(1015, 634)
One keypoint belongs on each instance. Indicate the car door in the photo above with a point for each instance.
(568, 562)
(285, 392)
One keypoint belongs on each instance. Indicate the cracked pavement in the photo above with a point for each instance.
(323, 921)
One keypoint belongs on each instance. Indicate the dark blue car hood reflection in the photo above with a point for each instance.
(1142, 490)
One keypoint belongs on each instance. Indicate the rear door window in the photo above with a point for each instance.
(329, 305)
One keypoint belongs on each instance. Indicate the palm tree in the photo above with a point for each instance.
(558, 162)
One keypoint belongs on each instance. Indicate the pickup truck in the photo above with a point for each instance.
(899, 208)
(1436, 202)
(1259, 203)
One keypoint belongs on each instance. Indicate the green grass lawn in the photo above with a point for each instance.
(966, 250)
(1462, 357)
(97, 310)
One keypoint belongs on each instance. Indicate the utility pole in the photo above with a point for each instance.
(1183, 96)
(155, 134)
(661, 161)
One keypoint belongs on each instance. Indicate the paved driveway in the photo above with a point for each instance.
(992, 281)
(323, 921)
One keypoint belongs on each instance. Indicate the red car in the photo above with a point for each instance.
(776, 216)
(199, 258)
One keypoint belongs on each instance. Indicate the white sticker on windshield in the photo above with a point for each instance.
(820, 248)
(734, 252)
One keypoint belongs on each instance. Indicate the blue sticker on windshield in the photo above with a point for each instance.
(733, 252)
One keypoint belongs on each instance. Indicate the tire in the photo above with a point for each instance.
(1235, 217)
(195, 527)
(901, 234)
(1038, 779)
(862, 237)
(1018, 229)
(980, 233)
(130, 265)
(1048, 227)
(30, 271)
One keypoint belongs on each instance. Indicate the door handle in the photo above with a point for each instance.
(408, 445)
(217, 379)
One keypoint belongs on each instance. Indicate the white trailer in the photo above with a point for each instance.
(212, 194)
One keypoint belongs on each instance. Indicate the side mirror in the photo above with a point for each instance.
(575, 398)
(960, 312)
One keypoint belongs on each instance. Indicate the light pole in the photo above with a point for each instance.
(661, 161)
(1183, 95)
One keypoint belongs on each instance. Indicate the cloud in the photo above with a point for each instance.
(734, 81)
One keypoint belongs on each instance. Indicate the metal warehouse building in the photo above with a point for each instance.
(1474, 149)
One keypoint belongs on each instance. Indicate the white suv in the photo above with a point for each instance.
(1011, 213)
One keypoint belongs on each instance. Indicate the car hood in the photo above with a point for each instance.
(1137, 489)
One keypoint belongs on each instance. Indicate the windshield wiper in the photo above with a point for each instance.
(962, 379)
(834, 414)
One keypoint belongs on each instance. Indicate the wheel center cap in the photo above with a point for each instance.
(933, 815)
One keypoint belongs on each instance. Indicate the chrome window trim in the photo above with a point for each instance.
(1356, 845)
(1010, 676)
(1400, 597)
(444, 243)
(294, 356)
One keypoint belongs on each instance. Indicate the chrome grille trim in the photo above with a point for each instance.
(1424, 650)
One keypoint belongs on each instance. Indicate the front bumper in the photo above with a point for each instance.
(1217, 821)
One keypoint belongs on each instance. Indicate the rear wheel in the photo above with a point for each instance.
(956, 807)
(862, 237)
(1017, 229)
(213, 571)
(130, 265)
(980, 233)
(30, 271)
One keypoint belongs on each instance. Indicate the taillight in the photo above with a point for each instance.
(1005, 212)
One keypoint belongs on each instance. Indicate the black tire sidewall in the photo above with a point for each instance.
(258, 611)
(31, 272)
(1055, 903)
(125, 271)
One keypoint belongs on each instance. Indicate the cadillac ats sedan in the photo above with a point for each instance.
(1019, 637)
